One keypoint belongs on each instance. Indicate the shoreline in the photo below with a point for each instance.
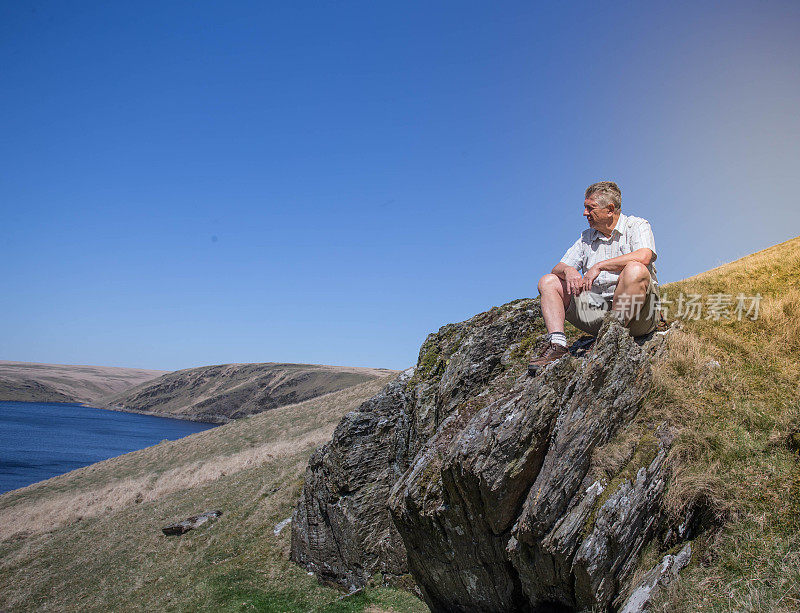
(210, 419)
(206, 419)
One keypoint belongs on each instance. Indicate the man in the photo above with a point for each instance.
(610, 267)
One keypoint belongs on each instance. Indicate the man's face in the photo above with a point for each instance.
(597, 215)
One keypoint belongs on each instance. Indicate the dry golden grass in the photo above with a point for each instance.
(729, 390)
(61, 509)
(90, 540)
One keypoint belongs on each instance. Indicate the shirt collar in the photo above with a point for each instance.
(617, 228)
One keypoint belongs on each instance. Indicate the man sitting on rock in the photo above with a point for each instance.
(610, 267)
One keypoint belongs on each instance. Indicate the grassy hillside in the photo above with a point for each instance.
(31, 382)
(732, 390)
(230, 391)
(90, 540)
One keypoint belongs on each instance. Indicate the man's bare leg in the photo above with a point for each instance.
(631, 292)
(554, 301)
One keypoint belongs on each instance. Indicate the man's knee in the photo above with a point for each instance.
(549, 282)
(635, 272)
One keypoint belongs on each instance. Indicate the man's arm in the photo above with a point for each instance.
(572, 277)
(644, 256)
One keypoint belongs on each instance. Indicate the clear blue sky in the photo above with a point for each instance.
(189, 183)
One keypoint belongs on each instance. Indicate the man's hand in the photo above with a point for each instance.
(574, 281)
(589, 277)
(572, 278)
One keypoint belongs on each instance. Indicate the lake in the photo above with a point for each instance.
(40, 440)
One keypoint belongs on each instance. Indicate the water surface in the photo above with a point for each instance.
(40, 440)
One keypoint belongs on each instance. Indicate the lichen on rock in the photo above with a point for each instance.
(476, 479)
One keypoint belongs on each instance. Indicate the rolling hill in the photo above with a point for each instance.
(32, 382)
(224, 392)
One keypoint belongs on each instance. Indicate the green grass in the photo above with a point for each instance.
(734, 424)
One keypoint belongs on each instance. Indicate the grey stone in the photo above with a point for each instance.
(659, 576)
(486, 473)
(195, 521)
(342, 529)
(281, 525)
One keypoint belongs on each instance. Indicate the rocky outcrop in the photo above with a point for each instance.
(487, 474)
(342, 529)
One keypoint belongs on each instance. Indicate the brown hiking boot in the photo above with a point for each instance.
(551, 353)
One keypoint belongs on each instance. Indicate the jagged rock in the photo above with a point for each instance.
(491, 511)
(486, 473)
(660, 576)
(341, 528)
(195, 521)
(624, 523)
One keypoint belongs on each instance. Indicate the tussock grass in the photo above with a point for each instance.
(91, 540)
(731, 392)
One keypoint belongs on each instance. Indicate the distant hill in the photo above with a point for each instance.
(224, 392)
(32, 382)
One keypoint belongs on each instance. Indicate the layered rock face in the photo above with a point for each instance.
(477, 478)
(342, 529)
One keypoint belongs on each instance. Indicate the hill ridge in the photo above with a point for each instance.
(44, 382)
(221, 392)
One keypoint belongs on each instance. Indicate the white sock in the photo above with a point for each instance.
(558, 338)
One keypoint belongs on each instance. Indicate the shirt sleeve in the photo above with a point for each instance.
(574, 256)
(642, 236)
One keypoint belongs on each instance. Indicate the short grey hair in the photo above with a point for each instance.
(605, 193)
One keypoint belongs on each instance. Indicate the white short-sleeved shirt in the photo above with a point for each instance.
(630, 233)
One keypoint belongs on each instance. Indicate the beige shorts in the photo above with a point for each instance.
(586, 312)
